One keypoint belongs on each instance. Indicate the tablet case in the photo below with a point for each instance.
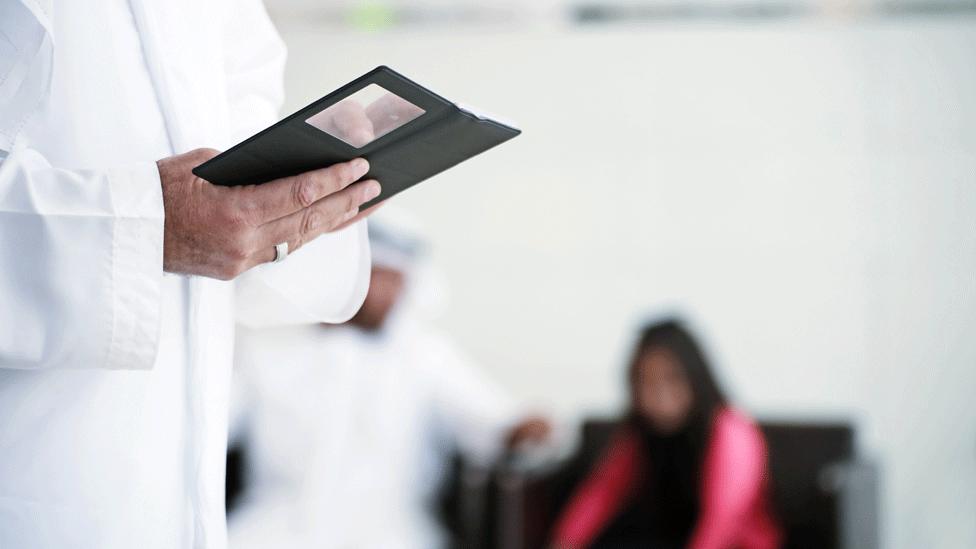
(443, 136)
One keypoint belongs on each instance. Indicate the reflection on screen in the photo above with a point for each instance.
(365, 116)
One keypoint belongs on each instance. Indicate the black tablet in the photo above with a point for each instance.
(407, 133)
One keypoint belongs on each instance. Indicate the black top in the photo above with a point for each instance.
(662, 513)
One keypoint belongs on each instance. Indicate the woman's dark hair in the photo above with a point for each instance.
(668, 503)
(672, 336)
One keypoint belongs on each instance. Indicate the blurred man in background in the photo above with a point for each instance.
(349, 431)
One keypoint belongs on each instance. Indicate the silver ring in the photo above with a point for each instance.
(281, 252)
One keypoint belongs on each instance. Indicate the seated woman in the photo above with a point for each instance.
(685, 469)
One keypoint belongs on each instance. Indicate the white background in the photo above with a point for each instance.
(805, 190)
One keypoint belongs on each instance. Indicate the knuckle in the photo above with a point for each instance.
(348, 171)
(346, 209)
(343, 172)
(340, 215)
(351, 202)
(311, 221)
(230, 216)
(203, 154)
(237, 268)
(305, 190)
(245, 212)
(338, 177)
(236, 220)
(238, 252)
(227, 272)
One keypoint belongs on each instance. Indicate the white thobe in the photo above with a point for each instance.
(350, 437)
(114, 377)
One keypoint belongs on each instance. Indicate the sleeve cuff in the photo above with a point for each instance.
(325, 281)
(137, 266)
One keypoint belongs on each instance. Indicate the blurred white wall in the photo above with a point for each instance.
(806, 190)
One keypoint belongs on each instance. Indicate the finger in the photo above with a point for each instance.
(324, 216)
(282, 197)
(390, 112)
(361, 216)
(352, 125)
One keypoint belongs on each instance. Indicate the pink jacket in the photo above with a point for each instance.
(734, 500)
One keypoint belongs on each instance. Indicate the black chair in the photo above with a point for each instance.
(823, 495)
(234, 481)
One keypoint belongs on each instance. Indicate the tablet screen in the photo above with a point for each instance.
(365, 115)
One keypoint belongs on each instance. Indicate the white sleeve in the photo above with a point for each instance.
(80, 251)
(477, 412)
(81, 265)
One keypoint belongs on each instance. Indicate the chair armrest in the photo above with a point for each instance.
(855, 485)
(474, 506)
(525, 507)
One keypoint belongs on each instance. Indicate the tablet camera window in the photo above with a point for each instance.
(365, 116)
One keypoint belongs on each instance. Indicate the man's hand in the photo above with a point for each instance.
(385, 289)
(220, 232)
(531, 430)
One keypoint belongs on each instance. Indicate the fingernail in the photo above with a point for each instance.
(371, 192)
(361, 165)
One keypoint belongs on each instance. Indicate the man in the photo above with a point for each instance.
(349, 430)
(115, 325)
